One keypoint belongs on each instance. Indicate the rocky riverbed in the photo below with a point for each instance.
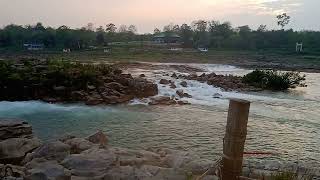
(23, 156)
(61, 81)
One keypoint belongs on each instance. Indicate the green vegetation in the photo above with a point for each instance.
(212, 34)
(274, 80)
(32, 79)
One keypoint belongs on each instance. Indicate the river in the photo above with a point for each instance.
(285, 123)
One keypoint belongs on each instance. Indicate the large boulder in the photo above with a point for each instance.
(90, 163)
(13, 150)
(56, 150)
(14, 128)
(164, 81)
(182, 94)
(98, 138)
(78, 145)
(142, 88)
(42, 169)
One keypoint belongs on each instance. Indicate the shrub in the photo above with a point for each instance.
(274, 80)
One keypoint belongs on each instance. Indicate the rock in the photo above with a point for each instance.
(13, 150)
(184, 84)
(78, 95)
(142, 75)
(14, 128)
(217, 95)
(142, 88)
(182, 94)
(161, 100)
(91, 87)
(183, 102)
(172, 85)
(115, 86)
(78, 145)
(51, 170)
(164, 81)
(98, 138)
(56, 150)
(94, 101)
(91, 163)
(59, 88)
(174, 75)
(13, 172)
(117, 71)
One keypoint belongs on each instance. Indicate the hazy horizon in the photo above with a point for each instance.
(150, 14)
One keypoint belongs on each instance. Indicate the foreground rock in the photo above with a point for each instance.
(94, 159)
(16, 140)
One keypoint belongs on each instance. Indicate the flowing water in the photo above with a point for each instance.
(286, 123)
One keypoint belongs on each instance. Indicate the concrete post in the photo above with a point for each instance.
(234, 140)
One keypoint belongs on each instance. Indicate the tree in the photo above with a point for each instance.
(100, 29)
(133, 29)
(156, 31)
(123, 29)
(100, 39)
(262, 28)
(90, 27)
(200, 25)
(283, 20)
(186, 34)
(100, 36)
(111, 28)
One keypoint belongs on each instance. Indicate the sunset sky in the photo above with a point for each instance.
(149, 14)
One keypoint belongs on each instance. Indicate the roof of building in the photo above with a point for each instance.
(167, 34)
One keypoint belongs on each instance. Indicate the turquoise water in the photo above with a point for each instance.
(287, 123)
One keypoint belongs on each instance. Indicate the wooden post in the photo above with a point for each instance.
(234, 140)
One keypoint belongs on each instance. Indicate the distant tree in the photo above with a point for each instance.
(100, 36)
(200, 25)
(123, 29)
(186, 35)
(100, 39)
(111, 28)
(219, 33)
(170, 28)
(90, 27)
(283, 20)
(133, 29)
(156, 31)
(39, 27)
(100, 29)
(262, 28)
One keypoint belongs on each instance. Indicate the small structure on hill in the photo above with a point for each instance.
(202, 49)
(166, 38)
(33, 46)
(299, 47)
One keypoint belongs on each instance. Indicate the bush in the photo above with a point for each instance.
(274, 80)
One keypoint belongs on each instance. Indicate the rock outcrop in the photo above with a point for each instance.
(227, 82)
(57, 161)
(16, 140)
(91, 84)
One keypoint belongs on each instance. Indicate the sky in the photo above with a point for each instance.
(150, 14)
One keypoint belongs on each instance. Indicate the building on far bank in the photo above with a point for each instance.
(166, 38)
(33, 46)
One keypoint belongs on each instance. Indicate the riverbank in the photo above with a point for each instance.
(245, 59)
(70, 157)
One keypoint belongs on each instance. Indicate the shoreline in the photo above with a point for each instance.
(72, 157)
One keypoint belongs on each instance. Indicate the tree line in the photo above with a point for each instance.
(212, 34)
